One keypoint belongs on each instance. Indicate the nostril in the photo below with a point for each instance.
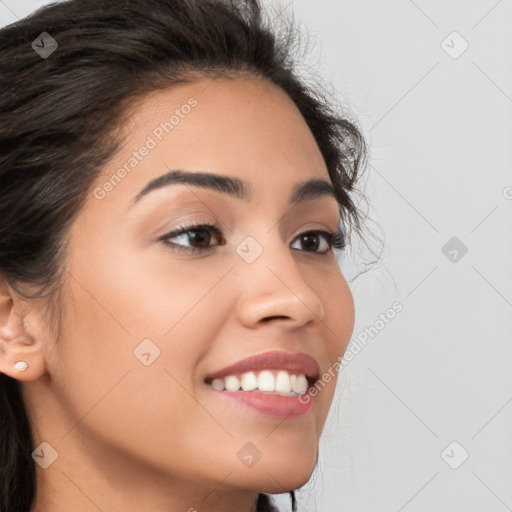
(273, 317)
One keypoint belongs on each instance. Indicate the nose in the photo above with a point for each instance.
(275, 289)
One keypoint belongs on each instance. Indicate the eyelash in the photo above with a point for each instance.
(335, 240)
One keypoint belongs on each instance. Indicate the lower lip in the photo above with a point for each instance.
(277, 406)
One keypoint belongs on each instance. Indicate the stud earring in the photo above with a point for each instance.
(21, 366)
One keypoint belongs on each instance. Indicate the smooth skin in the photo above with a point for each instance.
(132, 437)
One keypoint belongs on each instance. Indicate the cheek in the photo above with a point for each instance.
(141, 403)
(337, 327)
(117, 322)
(339, 316)
(150, 291)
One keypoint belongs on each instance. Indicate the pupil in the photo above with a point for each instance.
(309, 238)
(199, 236)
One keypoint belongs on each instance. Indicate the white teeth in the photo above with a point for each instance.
(300, 385)
(232, 383)
(266, 380)
(283, 382)
(249, 381)
(218, 384)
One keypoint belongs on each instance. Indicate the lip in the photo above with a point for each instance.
(281, 407)
(269, 404)
(272, 360)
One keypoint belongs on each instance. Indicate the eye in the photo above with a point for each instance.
(199, 237)
(320, 239)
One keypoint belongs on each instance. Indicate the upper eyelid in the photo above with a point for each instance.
(182, 229)
(214, 228)
(218, 230)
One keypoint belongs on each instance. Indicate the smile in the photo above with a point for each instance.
(274, 393)
(280, 382)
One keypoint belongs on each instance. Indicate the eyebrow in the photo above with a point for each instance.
(234, 187)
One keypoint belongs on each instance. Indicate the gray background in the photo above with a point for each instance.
(439, 127)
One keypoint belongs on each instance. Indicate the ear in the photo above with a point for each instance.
(20, 336)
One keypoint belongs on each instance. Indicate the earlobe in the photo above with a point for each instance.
(21, 366)
(21, 352)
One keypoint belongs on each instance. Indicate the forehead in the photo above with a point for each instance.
(245, 128)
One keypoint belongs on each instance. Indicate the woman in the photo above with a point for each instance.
(172, 197)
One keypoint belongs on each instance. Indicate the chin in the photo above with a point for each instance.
(279, 483)
(282, 475)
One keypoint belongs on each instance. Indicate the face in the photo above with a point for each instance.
(149, 314)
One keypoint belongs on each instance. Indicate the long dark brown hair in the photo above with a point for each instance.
(60, 120)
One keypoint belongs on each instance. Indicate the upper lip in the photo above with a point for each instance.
(272, 360)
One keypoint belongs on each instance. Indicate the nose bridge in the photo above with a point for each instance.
(273, 284)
